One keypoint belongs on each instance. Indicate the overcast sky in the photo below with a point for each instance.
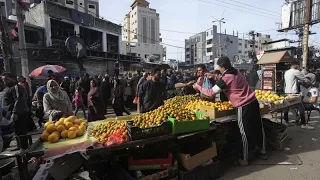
(193, 16)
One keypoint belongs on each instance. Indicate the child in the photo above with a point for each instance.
(78, 102)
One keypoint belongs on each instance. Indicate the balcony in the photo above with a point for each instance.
(58, 11)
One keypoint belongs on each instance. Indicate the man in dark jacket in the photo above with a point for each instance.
(15, 105)
(152, 92)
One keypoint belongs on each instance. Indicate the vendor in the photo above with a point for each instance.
(56, 102)
(202, 72)
(237, 90)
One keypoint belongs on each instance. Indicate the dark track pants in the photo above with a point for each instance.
(251, 128)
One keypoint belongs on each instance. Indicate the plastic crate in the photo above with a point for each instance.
(190, 126)
(145, 164)
(208, 172)
(136, 133)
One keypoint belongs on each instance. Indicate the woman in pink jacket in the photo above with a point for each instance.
(237, 90)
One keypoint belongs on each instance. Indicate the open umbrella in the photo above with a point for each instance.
(43, 70)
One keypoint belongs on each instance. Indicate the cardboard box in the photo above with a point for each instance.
(191, 162)
(213, 113)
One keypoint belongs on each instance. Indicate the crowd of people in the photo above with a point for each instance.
(144, 92)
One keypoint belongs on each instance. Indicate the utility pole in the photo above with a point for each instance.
(22, 41)
(5, 44)
(253, 43)
(306, 34)
(220, 22)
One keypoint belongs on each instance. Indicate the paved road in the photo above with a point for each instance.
(305, 144)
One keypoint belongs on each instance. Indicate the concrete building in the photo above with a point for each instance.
(141, 33)
(73, 39)
(86, 6)
(204, 47)
(196, 49)
(245, 46)
(278, 44)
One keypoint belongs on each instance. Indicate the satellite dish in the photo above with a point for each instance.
(76, 47)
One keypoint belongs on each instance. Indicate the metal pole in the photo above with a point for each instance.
(220, 40)
(22, 42)
(306, 34)
(4, 44)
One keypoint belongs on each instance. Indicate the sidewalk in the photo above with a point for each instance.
(305, 144)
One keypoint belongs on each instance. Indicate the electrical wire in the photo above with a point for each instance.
(209, 2)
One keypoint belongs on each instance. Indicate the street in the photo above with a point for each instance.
(304, 145)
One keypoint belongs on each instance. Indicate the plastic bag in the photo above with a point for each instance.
(116, 139)
(206, 84)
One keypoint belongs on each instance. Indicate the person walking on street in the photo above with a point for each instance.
(78, 102)
(96, 106)
(15, 106)
(118, 102)
(65, 85)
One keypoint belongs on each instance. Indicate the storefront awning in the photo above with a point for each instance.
(275, 57)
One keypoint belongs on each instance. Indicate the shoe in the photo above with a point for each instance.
(306, 126)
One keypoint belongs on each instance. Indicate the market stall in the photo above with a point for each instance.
(273, 66)
(185, 138)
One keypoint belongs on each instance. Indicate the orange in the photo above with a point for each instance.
(84, 124)
(62, 119)
(77, 121)
(79, 132)
(83, 128)
(44, 136)
(76, 125)
(82, 120)
(73, 129)
(60, 128)
(68, 125)
(47, 124)
(59, 123)
(53, 138)
(51, 128)
(72, 134)
(64, 134)
(57, 133)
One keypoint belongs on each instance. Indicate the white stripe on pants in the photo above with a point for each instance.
(243, 135)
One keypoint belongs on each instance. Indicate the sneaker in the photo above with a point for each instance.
(307, 127)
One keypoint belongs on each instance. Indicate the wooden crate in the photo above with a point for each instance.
(213, 113)
(264, 109)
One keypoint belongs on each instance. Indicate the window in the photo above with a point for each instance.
(207, 33)
(256, 46)
(69, 2)
(251, 45)
(209, 50)
(211, 32)
(139, 55)
(240, 44)
(91, 6)
(240, 52)
(246, 45)
(135, 21)
(145, 56)
(1, 3)
(80, 4)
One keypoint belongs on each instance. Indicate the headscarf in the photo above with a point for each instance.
(93, 91)
(56, 96)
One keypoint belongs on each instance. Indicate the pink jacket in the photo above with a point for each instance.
(235, 87)
(78, 101)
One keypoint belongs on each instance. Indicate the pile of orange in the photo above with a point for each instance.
(64, 128)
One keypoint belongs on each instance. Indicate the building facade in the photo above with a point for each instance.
(245, 46)
(204, 47)
(76, 40)
(141, 33)
(86, 6)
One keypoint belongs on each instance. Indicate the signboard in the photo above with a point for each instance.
(285, 16)
(268, 78)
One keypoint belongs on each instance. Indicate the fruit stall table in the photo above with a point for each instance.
(37, 149)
